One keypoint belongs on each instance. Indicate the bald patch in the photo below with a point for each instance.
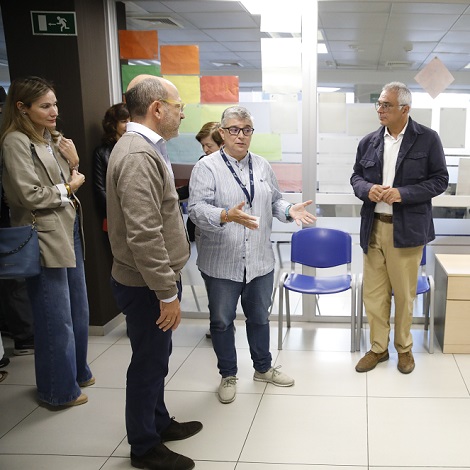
(138, 79)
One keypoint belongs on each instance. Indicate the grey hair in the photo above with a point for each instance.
(236, 112)
(403, 92)
(143, 94)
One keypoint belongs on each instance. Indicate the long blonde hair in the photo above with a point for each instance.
(27, 90)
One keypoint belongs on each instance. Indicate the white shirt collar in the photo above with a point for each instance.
(156, 139)
(402, 132)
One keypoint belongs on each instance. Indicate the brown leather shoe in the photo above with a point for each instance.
(406, 362)
(370, 360)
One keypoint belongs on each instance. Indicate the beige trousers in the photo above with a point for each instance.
(388, 269)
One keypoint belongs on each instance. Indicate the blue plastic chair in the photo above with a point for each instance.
(318, 248)
(425, 286)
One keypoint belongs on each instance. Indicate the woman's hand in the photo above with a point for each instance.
(236, 214)
(76, 180)
(300, 214)
(69, 152)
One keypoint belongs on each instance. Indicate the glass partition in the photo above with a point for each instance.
(308, 134)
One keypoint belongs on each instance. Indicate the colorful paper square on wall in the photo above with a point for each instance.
(138, 44)
(180, 60)
(128, 72)
(267, 145)
(219, 89)
(188, 87)
(191, 124)
(212, 112)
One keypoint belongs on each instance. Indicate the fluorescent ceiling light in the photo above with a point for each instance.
(321, 48)
(324, 89)
(467, 66)
(144, 62)
(288, 22)
(257, 7)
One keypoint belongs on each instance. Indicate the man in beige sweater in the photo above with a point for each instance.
(150, 248)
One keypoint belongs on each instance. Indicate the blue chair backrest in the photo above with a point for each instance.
(321, 247)
(423, 259)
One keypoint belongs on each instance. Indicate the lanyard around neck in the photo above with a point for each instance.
(249, 196)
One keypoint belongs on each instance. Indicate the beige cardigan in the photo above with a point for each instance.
(29, 181)
(145, 224)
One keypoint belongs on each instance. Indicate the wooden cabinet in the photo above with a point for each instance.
(452, 302)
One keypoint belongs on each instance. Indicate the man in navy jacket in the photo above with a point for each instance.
(398, 170)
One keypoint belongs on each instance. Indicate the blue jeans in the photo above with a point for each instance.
(146, 413)
(60, 308)
(255, 299)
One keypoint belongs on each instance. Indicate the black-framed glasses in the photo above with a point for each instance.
(386, 106)
(236, 130)
(179, 104)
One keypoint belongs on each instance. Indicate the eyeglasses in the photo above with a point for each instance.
(179, 104)
(386, 106)
(236, 130)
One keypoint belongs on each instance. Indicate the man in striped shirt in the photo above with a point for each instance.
(234, 196)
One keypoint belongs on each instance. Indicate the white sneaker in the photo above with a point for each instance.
(273, 376)
(227, 389)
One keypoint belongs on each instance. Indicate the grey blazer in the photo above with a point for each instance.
(29, 179)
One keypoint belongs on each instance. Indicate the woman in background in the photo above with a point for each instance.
(41, 177)
(210, 139)
(114, 126)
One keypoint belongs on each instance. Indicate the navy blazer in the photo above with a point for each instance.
(420, 174)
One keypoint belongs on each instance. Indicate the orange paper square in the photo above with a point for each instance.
(219, 89)
(179, 60)
(138, 44)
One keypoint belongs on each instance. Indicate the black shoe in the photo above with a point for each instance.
(4, 361)
(4, 331)
(179, 431)
(162, 458)
(24, 347)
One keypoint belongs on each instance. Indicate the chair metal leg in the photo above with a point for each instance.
(280, 311)
(353, 314)
(431, 315)
(287, 309)
(317, 304)
(426, 307)
(359, 313)
(195, 298)
(272, 298)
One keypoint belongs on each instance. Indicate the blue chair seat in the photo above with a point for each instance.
(423, 285)
(317, 285)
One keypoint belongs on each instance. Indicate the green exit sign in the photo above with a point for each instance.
(54, 23)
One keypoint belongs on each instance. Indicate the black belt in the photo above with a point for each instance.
(387, 218)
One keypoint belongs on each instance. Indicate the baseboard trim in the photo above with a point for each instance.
(94, 330)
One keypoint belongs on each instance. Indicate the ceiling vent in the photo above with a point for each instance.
(227, 64)
(158, 21)
(398, 64)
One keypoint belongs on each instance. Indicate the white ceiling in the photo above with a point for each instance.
(368, 42)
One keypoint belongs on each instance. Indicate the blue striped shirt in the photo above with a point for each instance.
(225, 251)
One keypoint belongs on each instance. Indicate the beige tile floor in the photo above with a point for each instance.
(332, 419)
